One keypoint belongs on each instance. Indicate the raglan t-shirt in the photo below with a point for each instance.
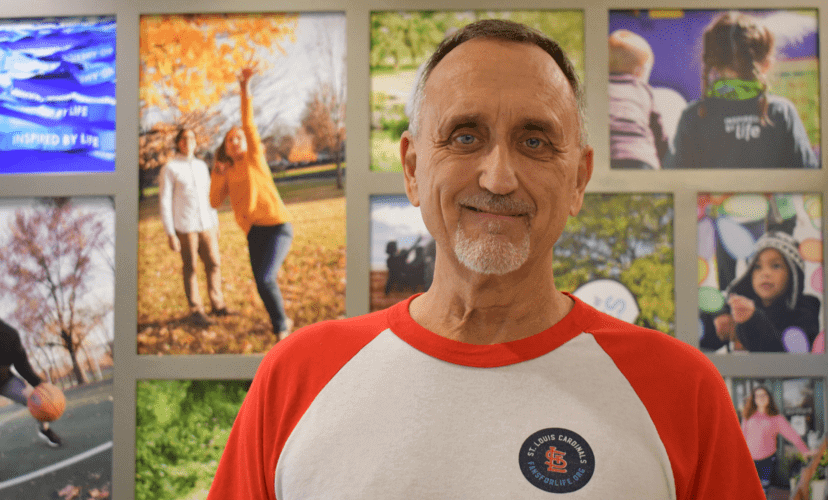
(377, 407)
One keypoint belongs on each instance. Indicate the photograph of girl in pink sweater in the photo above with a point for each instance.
(761, 424)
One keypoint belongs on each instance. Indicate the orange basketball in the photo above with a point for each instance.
(47, 402)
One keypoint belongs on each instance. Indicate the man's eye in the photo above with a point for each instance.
(465, 139)
(533, 142)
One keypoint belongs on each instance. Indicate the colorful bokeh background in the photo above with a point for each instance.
(728, 227)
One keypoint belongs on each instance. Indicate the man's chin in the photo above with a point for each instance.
(490, 254)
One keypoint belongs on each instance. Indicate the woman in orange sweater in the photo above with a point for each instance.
(241, 172)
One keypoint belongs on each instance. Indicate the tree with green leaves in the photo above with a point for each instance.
(627, 237)
(181, 429)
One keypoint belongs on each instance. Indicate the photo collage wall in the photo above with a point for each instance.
(704, 218)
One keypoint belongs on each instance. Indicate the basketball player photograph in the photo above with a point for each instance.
(44, 400)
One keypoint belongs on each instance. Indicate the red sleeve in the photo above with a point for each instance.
(285, 385)
(691, 408)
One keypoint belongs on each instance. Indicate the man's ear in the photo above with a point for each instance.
(408, 156)
(584, 175)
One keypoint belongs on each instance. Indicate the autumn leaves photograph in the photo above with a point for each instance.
(242, 179)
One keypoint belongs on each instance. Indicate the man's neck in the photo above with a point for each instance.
(490, 309)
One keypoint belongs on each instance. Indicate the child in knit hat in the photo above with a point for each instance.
(767, 311)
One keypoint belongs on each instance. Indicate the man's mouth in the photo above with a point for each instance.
(493, 212)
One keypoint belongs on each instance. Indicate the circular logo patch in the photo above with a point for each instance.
(557, 460)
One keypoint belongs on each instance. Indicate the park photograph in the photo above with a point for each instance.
(760, 272)
(783, 421)
(57, 95)
(714, 89)
(402, 251)
(241, 180)
(621, 265)
(401, 42)
(181, 430)
(57, 274)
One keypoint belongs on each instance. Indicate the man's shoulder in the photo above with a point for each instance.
(639, 348)
(331, 341)
(338, 329)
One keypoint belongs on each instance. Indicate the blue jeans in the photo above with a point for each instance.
(766, 469)
(268, 247)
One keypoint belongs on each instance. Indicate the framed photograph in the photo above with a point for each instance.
(401, 43)
(242, 171)
(714, 89)
(760, 272)
(181, 428)
(402, 251)
(57, 95)
(57, 273)
(783, 420)
(624, 269)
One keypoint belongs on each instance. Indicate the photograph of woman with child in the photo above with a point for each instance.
(714, 89)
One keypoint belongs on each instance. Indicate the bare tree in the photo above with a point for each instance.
(324, 117)
(49, 268)
(324, 121)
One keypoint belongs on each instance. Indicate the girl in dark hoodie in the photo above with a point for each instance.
(767, 310)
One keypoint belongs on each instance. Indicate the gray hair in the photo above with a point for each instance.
(500, 29)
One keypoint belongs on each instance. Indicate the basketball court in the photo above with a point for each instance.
(29, 468)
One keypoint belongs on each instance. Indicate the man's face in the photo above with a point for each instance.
(497, 167)
(187, 143)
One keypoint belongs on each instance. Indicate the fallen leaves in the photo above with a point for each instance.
(312, 281)
(72, 492)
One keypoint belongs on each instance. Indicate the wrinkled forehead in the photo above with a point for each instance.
(501, 68)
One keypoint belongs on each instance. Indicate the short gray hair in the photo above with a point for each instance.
(511, 31)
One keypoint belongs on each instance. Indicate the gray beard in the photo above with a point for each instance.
(489, 254)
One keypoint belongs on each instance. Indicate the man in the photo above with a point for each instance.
(491, 384)
(12, 386)
(191, 224)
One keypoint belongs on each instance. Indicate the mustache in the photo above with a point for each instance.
(498, 203)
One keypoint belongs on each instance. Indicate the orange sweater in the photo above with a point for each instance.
(249, 182)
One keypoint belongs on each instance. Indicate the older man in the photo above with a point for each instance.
(492, 384)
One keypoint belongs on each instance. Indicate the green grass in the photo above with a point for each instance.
(314, 169)
(385, 152)
(285, 175)
(390, 70)
(799, 82)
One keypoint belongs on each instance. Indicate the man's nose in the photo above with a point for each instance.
(497, 171)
